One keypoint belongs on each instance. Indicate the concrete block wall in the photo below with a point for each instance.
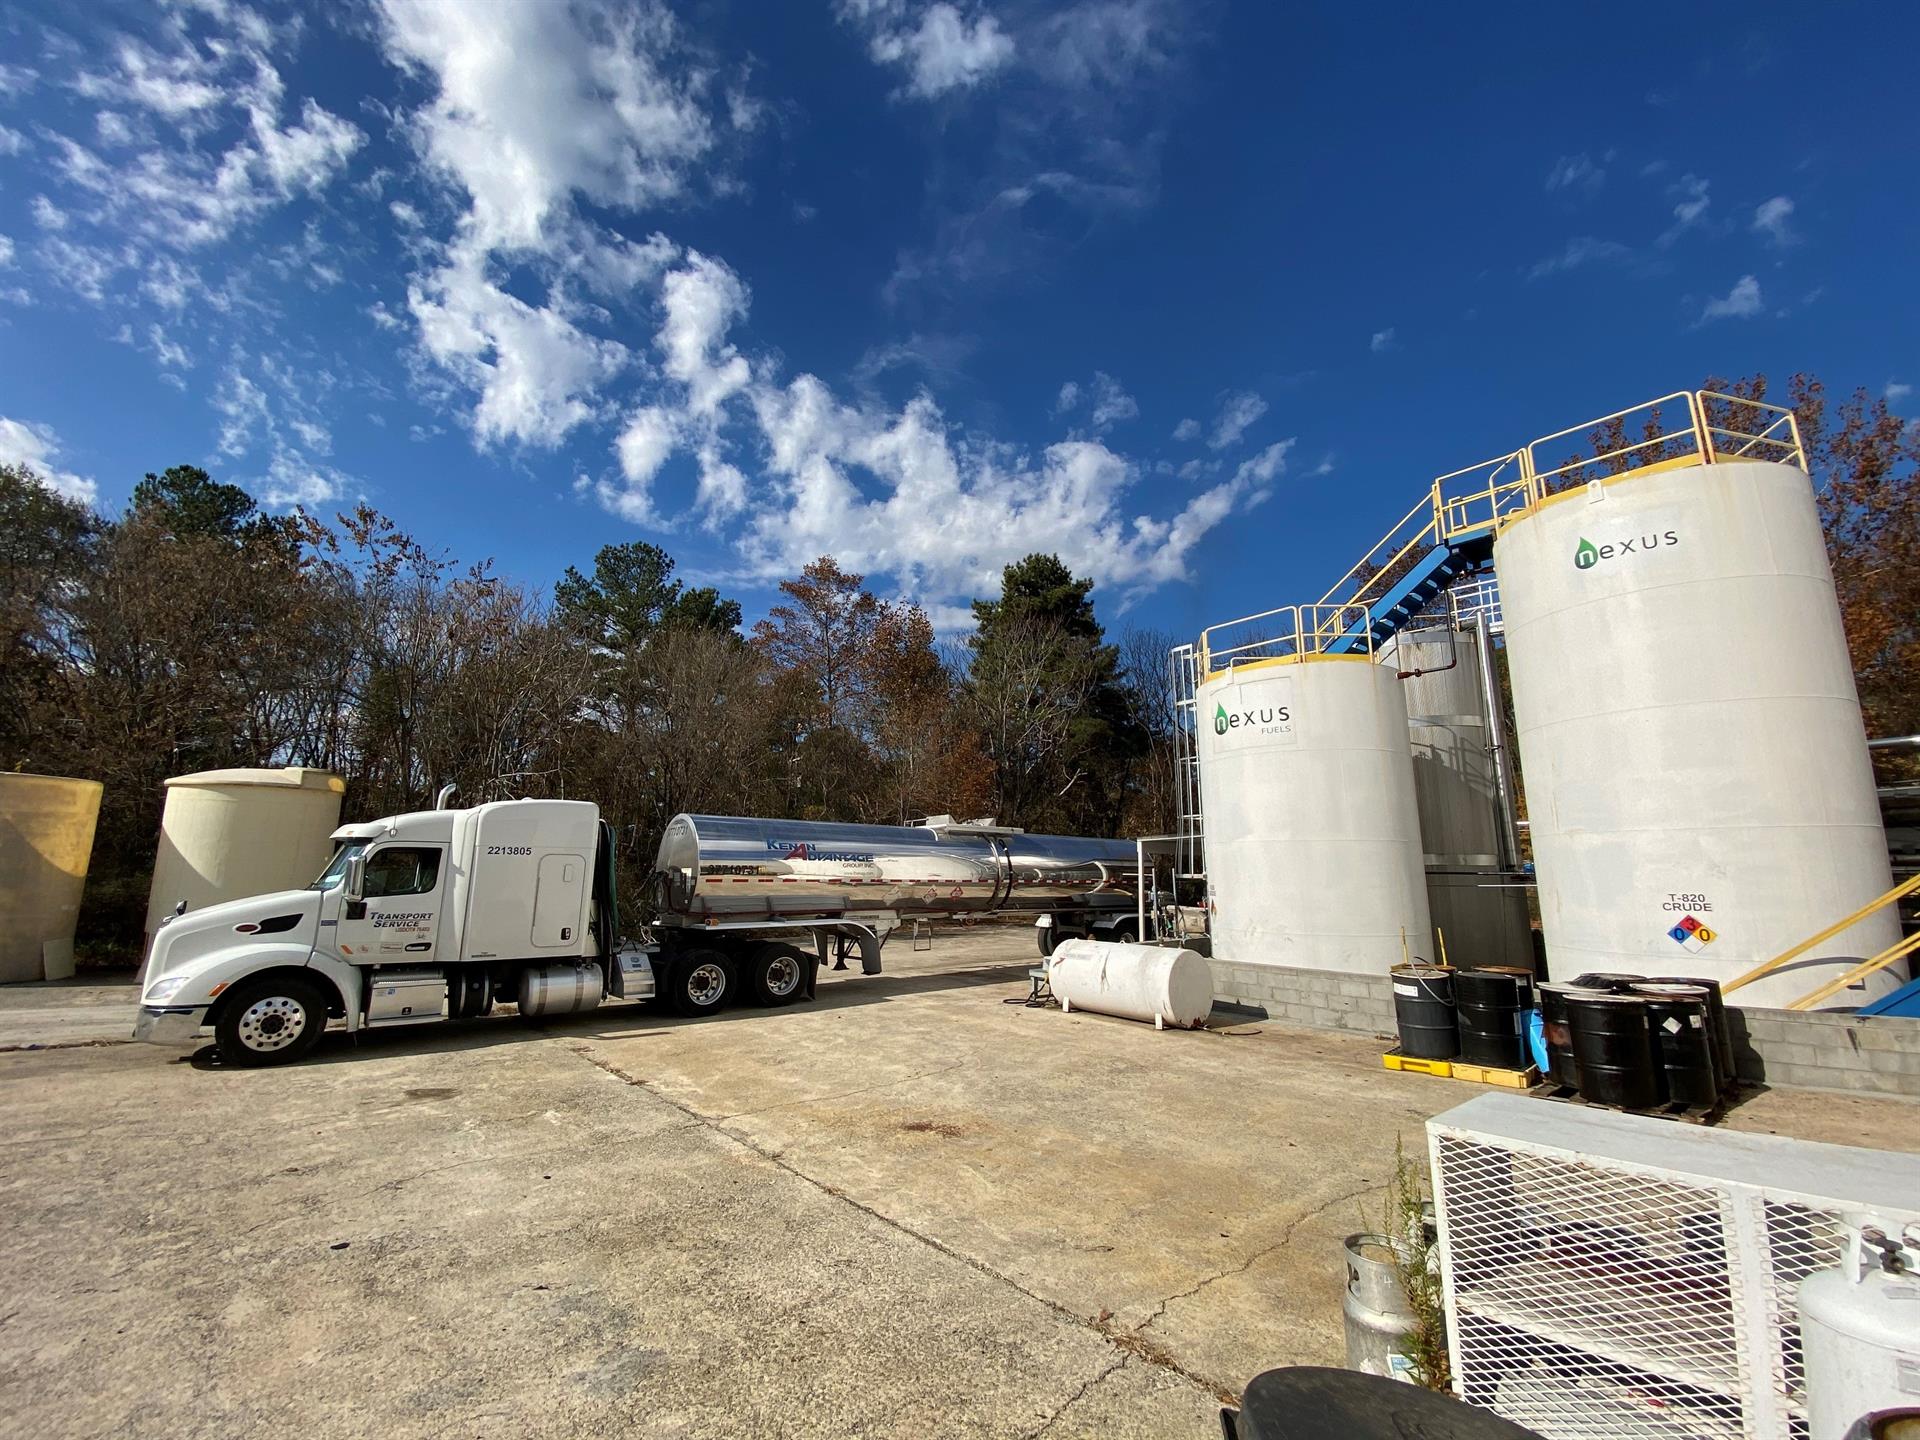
(1323, 999)
(1819, 1050)
(1828, 1050)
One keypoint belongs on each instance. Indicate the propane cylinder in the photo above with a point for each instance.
(1860, 1334)
(1154, 983)
(1378, 1317)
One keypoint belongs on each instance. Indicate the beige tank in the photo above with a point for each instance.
(46, 836)
(227, 834)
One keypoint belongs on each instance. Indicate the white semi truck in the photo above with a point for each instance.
(439, 914)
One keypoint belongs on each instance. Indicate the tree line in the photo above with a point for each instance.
(195, 632)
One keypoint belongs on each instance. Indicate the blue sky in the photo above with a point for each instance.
(1197, 295)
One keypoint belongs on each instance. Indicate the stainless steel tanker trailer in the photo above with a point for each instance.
(440, 914)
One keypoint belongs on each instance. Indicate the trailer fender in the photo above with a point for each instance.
(861, 935)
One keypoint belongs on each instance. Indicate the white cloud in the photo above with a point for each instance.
(723, 489)
(534, 103)
(1771, 217)
(1690, 211)
(167, 350)
(643, 447)
(12, 142)
(175, 86)
(293, 480)
(1576, 173)
(47, 215)
(6, 251)
(1107, 401)
(940, 47)
(1895, 392)
(24, 443)
(1237, 412)
(702, 299)
(1743, 302)
(1382, 341)
(535, 374)
(84, 269)
(1188, 429)
(1581, 250)
(1111, 404)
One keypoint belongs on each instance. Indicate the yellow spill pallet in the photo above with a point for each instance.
(1413, 1065)
(1460, 1070)
(1488, 1075)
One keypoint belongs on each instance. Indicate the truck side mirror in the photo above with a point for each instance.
(356, 882)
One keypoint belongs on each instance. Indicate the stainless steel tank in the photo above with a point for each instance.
(738, 866)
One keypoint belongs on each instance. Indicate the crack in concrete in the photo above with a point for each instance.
(1286, 1239)
(1130, 1344)
(1077, 1396)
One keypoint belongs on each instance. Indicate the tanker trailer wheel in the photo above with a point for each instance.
(270, 1021)
(1048, 937)
(700, 983)
(776, 973)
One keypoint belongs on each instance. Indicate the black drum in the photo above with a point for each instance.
(1613, 1047)
(1489, 1005)
(1682, 1026)
(1423, 1006)
(1608, 981)
(1524, 982)
(1717, 1021)
(1561, 1066)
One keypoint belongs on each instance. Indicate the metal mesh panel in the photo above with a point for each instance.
(1591, 1302)
(1612, 1278)
(1800, 1240)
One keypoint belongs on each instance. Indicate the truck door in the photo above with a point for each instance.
(397, 919)
(559, 895)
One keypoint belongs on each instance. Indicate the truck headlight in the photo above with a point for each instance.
(164, 989)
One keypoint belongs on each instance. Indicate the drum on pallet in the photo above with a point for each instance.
(1561, 1067)
(1608, 981)
(1679, 1020)
(1613, 1047)
(1489, 1005)
(1423, 1009)
(1717, 1022)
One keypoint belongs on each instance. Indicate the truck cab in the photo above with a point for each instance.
(416, 917)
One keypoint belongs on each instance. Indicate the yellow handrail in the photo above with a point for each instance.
(1767, 968)
(1897, 951)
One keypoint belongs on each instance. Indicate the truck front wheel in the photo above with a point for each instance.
(700, 983)
(270, 1021)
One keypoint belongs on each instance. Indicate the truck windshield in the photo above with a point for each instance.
(336, 870)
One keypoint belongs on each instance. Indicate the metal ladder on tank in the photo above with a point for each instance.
(1189, 858)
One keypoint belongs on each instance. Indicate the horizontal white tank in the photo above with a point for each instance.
(1136, 982)
(1692, 756)
(1480, 912)
(1313, 833)
(227, 834)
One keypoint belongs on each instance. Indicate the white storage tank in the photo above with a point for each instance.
(1478, 907)
(1313, 833)
(46, 841)
(227, 834)
(1155, 983)
(1692, 756)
